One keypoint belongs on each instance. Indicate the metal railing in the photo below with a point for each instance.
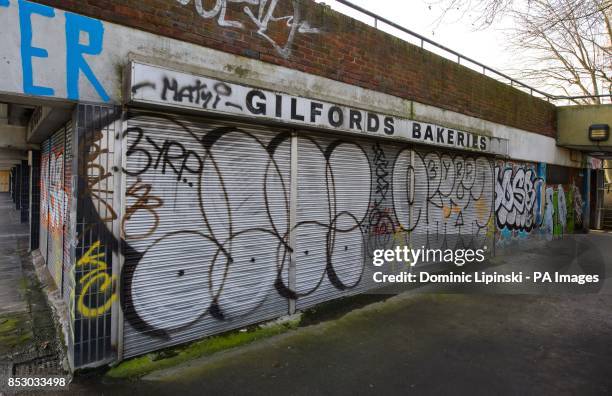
(459, 57)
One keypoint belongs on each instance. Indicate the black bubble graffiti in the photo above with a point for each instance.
(446, 181)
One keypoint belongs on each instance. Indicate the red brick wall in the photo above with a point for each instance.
(344, 49)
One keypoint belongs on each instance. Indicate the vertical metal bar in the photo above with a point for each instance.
(94, 340)
(63, 277)
(86, 241)
(293, 199)
(117, 319)
(74, 196)
(492, 218)
(599, 197)
(411, 199)
(586, 193)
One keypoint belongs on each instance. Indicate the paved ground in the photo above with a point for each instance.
(13, 239)
(559, 343)
(28, 343)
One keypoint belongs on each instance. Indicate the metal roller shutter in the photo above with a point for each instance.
(66, 287)
(458, 206)
(44, 197)
(205, 227)
(359, 195)
(206, 222)
(334, 189)
(57, 206)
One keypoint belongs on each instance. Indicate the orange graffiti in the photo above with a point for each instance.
(145, 201)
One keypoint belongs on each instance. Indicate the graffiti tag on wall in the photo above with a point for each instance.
(235, 242)
(516, 197)
(525, 206)
(263, 17)
(36, 24)
(95, 276)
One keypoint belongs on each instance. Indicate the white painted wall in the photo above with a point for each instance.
(121, 44)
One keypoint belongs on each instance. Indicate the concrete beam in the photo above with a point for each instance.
(35, 100)
(19, 114)
(573, 124)
(8, 154)
(46, 121)
(11, 157)
(3, 113)
(13, 137)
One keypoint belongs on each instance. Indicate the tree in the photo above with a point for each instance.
(566, 45)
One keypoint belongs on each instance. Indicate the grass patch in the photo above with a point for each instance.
(13, 341)
(23, 284)
(14, 332)
(140, 366)
(335, 309)
(8, 325)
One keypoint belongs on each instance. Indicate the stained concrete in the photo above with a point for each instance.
(29, 345)
(13, 243)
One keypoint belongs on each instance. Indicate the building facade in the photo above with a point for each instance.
(191, 171)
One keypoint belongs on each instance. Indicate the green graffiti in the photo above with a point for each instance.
(571, 218)
(557, 226)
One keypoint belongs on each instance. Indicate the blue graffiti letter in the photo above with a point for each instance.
(26, 9)
(75, 24)
(4, 3)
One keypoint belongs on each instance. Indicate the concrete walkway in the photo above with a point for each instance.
(13, 242)
(28, 339)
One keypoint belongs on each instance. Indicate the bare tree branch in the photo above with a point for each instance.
(566, 44)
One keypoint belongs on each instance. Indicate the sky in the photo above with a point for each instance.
(455, 31)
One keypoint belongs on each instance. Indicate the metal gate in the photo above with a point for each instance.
(208, 213)
(55, 191)
(205, 228)
(54, 202)
(334, 194)
(44, 197)
(67, 202)
(359, 195)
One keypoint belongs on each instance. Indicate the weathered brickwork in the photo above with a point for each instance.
(312, 38)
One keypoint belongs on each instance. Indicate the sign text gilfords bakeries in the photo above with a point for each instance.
(155, 85)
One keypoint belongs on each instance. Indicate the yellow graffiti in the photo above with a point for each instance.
(93, 277)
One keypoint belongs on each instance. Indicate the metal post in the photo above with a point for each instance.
(599, 198)
(411, 199)
(120, 187)
(586, 218)
(293, 199)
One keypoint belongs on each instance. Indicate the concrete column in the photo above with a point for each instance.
(597, 224)
(17, 196)
(34, 160)
(586, 194)
(24, 191)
